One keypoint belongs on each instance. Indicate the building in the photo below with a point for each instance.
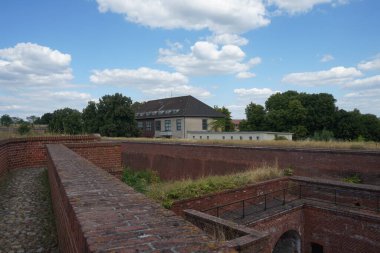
(174, 117)
(236, 123)
(244, 136)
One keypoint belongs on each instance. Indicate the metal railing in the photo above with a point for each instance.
(331, 195)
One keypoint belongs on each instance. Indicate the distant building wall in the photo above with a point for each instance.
(245, 136)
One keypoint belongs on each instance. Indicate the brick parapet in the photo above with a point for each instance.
(182, 160)
(99, 213)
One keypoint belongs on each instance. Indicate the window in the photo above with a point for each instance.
(250, 138)
(148, 126)
(168, 125)
(224, 137)
(208, 137)
(204, 124)
(193, 137)
(200, 137)
(241, 137)
(140, 125)
(232, 137)
(158, 125)
(257, 138)
(179, 124)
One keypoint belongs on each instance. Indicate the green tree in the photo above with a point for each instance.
(32, 119)
(371, 127)
(6, 120)
(224, 124)
(116, 116)
(45, 119)
(90, 118)
(348, 125)
(67, 120)
(255, 117)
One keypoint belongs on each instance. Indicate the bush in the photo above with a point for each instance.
(324, 135)
(355, 179)
(24, 128)
(280, 138)
(140, 180)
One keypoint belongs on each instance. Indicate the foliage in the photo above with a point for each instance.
(355, 179)
(24, 128)
(167, 192)
(288, 172)
(112, 116)
(6, 120)
(324, 135)
(139, 180)
(67, 121)
(224, 124)
(280, 138)
(312, 116)
(32, 119)
(45, 119)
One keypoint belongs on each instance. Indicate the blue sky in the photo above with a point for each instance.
(56, 53)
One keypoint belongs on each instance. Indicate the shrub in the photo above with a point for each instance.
(24, 128)
(139, 180)
(355, 179)
(288, 171)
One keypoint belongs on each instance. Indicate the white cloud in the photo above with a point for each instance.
(363, 100)
(373, 64)
(245, 75)
(369, 82)
(259, 92)
(233, 16)
(207, 58)
(333, 76)
(301, 6)
(28, 64)
(228, 39)
(237, 111)
(327, 58)
(149, 81)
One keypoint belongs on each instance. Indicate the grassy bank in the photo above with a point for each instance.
(353, 145)
(166, 193)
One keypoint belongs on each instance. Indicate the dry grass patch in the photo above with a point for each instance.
(168, 192)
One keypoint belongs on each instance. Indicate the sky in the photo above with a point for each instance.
(64, 53)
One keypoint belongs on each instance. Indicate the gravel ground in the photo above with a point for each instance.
(26, 218)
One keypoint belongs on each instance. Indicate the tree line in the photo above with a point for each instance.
(312, 116)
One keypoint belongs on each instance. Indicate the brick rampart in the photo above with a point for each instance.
(30, 152)
(176, 160)
(105, 155)
(95, 212)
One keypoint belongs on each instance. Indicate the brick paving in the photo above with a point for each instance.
(26, 219)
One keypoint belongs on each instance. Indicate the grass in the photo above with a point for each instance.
(167, 193)
(351, 145)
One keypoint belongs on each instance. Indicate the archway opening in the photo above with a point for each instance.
(289, 242)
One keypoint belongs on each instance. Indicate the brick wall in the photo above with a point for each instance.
(225, 197)
(95, 212)
(3, 158)
(341, 231)
(105, 155)
(174, 161)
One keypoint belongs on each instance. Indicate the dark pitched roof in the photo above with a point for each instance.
(186, 106)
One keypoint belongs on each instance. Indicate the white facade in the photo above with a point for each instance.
(178, 127)
(247, 136)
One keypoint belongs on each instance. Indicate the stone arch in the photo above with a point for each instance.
(289, 242)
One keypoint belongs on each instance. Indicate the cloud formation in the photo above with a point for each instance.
(327, 58)
(233, 16)
(149, 81)
(373, 64)
(333, 76)
(301, 6)
(28, 64)
(206, 58)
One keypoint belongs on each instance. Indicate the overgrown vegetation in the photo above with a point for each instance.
(355, 179)
(166, 193)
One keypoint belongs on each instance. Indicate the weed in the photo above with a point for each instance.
(355, 179)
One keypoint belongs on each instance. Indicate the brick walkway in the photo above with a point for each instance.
(26, 219)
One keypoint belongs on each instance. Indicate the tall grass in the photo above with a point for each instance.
(355, 145)
(168, 192)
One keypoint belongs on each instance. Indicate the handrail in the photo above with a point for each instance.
(302, 194)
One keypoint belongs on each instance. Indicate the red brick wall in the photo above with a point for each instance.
(95, 212)
(3, 158)
(105, 155)
(225, 197)
(341, 231)
(174, 161)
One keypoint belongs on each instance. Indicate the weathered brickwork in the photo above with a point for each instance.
(98, 213)
(173, 161)
(105, 155)
(213, 200)
(3, 158)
